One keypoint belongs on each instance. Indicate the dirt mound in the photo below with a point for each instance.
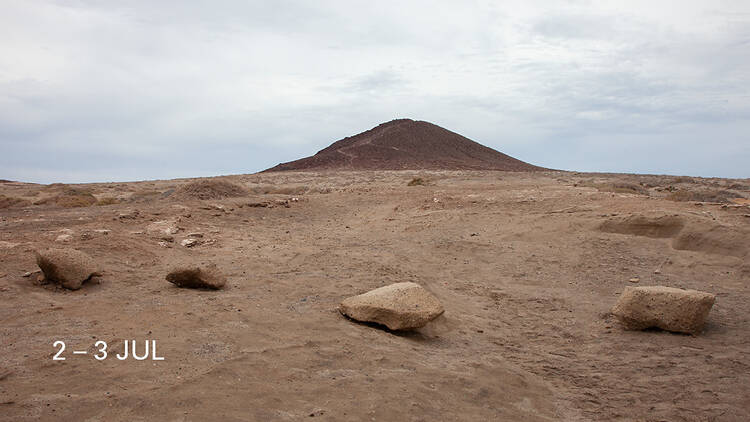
(664, 226)
(686, 234)
(719, 240)
(210, 189)
(407, 144)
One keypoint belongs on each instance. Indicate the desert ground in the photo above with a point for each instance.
(526, 265)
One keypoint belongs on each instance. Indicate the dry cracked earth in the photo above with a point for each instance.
(527, 266)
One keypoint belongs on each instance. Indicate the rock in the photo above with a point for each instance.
(667, 308)
(215, 207)
(195, 235)
(634, 280)
(399, 306)
(205, 276)
(102, 231)
(163, 228)
(129, 215)
(189, 242)
(68, 267)
(64, 238)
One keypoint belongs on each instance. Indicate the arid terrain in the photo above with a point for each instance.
(527, 266)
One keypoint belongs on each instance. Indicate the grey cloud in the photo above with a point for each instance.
(134, 90)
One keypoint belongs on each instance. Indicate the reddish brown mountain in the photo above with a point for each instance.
(407, 144)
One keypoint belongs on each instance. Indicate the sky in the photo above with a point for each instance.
(95, 91)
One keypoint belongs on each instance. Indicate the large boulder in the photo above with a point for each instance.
(68, 267)
(667, 308)
(204, 276)
(399, 306)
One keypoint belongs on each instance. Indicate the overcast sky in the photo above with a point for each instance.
(132, 90)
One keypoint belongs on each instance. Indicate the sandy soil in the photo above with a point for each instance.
(520, 261)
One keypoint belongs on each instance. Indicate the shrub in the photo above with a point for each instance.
(8, 202)
(108, 201)
(417, 181)
(721, 196)
(210, 189)
(71, 198)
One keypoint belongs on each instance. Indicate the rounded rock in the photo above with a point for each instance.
(399, 306)
(668, 308)
(68, 267)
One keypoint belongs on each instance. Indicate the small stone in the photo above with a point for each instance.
(102, 231)
(657, 271)
(69, 267)
(195, 235)
(129, 215)
(634, 280)
(163, 228)
(668, 308)
(204, 276)
(316, 412)
(64, 238)
(189, 242)
(399, 306)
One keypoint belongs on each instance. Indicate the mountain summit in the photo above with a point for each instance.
(407, 144)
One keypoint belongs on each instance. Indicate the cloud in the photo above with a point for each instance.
(136, 90)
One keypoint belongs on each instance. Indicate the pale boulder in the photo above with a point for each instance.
(668, 308)
(399, 306)
(68, 267)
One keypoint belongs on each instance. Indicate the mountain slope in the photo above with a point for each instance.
(407, 144)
